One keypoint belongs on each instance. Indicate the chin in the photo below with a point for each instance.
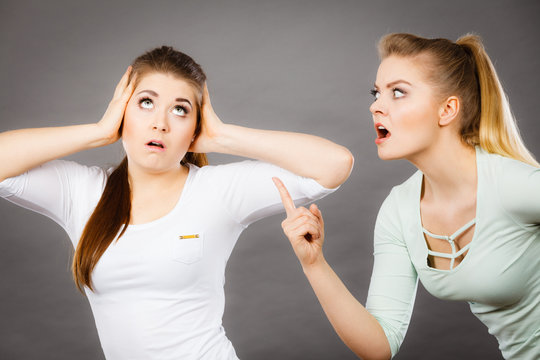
(388, 154)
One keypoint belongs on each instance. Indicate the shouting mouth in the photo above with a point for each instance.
(382, 133)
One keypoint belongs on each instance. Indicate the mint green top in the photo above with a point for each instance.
(499, 275)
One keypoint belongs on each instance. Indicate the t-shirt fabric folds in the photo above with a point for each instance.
(159, 288)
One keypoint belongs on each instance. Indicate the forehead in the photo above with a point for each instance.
(393, 68)
(166, 85)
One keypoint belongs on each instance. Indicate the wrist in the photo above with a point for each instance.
(315, 266)
(101, 136)
(224, 138)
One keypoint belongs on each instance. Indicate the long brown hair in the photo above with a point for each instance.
(464, 69)
(111, 216)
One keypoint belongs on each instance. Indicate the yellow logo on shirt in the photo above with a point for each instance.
(194, 236)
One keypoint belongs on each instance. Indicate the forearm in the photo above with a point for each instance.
(22, 150)
(311, 156)
(356, 327)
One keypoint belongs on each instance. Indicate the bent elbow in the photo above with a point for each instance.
(343, 165)
(348, 163)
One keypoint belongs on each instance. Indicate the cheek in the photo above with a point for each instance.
(416, 119)
(129, 116)
(130, 127)
(183, 131)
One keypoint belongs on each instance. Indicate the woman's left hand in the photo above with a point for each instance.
(211, 127)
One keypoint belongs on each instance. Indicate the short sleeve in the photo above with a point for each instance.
(394, 280)
(249, 194)
(52, 189)
(519, 190)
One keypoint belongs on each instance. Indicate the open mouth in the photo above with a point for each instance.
(382, 133)
(156, 144)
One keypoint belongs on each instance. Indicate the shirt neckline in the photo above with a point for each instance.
(181, 199)
(470, 245)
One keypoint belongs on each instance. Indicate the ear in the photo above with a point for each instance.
(449, 111)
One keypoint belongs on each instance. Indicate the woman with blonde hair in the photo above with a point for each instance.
(153, 236)
(466, 224)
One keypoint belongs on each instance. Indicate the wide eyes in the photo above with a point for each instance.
(148, 104)
(396, 93)
(179, 110)
(375, 94)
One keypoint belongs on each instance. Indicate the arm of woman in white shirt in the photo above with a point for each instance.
(306, 155)
(22, 150)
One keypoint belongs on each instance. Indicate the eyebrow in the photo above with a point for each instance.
(393, 83)
(155, 94)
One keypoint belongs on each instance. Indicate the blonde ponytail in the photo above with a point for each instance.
(498, 132)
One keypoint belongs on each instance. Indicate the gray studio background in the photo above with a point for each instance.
(291, 65)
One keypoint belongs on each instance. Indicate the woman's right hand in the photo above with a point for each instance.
(111, 122)
(304, 228)
(24, 149)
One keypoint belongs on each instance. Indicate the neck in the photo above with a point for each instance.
(142, 181)
(449, 170)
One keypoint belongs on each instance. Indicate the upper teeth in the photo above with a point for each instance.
(154, 143)
(381, 128)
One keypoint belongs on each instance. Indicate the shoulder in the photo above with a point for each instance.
(220, 173)
(507, 173)
(499, 163)
(67, 173)
(407, 192)
(76, 174)
(234, 167)
(76, 169)
(515, 184)
(244, 172)
(399, 204)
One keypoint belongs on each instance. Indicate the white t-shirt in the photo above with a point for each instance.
(159, 288)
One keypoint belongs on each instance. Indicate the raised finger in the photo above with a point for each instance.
(286, 199)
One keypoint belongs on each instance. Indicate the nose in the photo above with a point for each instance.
(377, 107)
(160, 123)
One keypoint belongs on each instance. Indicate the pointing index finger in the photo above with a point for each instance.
(286, 199)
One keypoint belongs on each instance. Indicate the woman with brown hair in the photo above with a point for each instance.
(153, 237)
(466, 224)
